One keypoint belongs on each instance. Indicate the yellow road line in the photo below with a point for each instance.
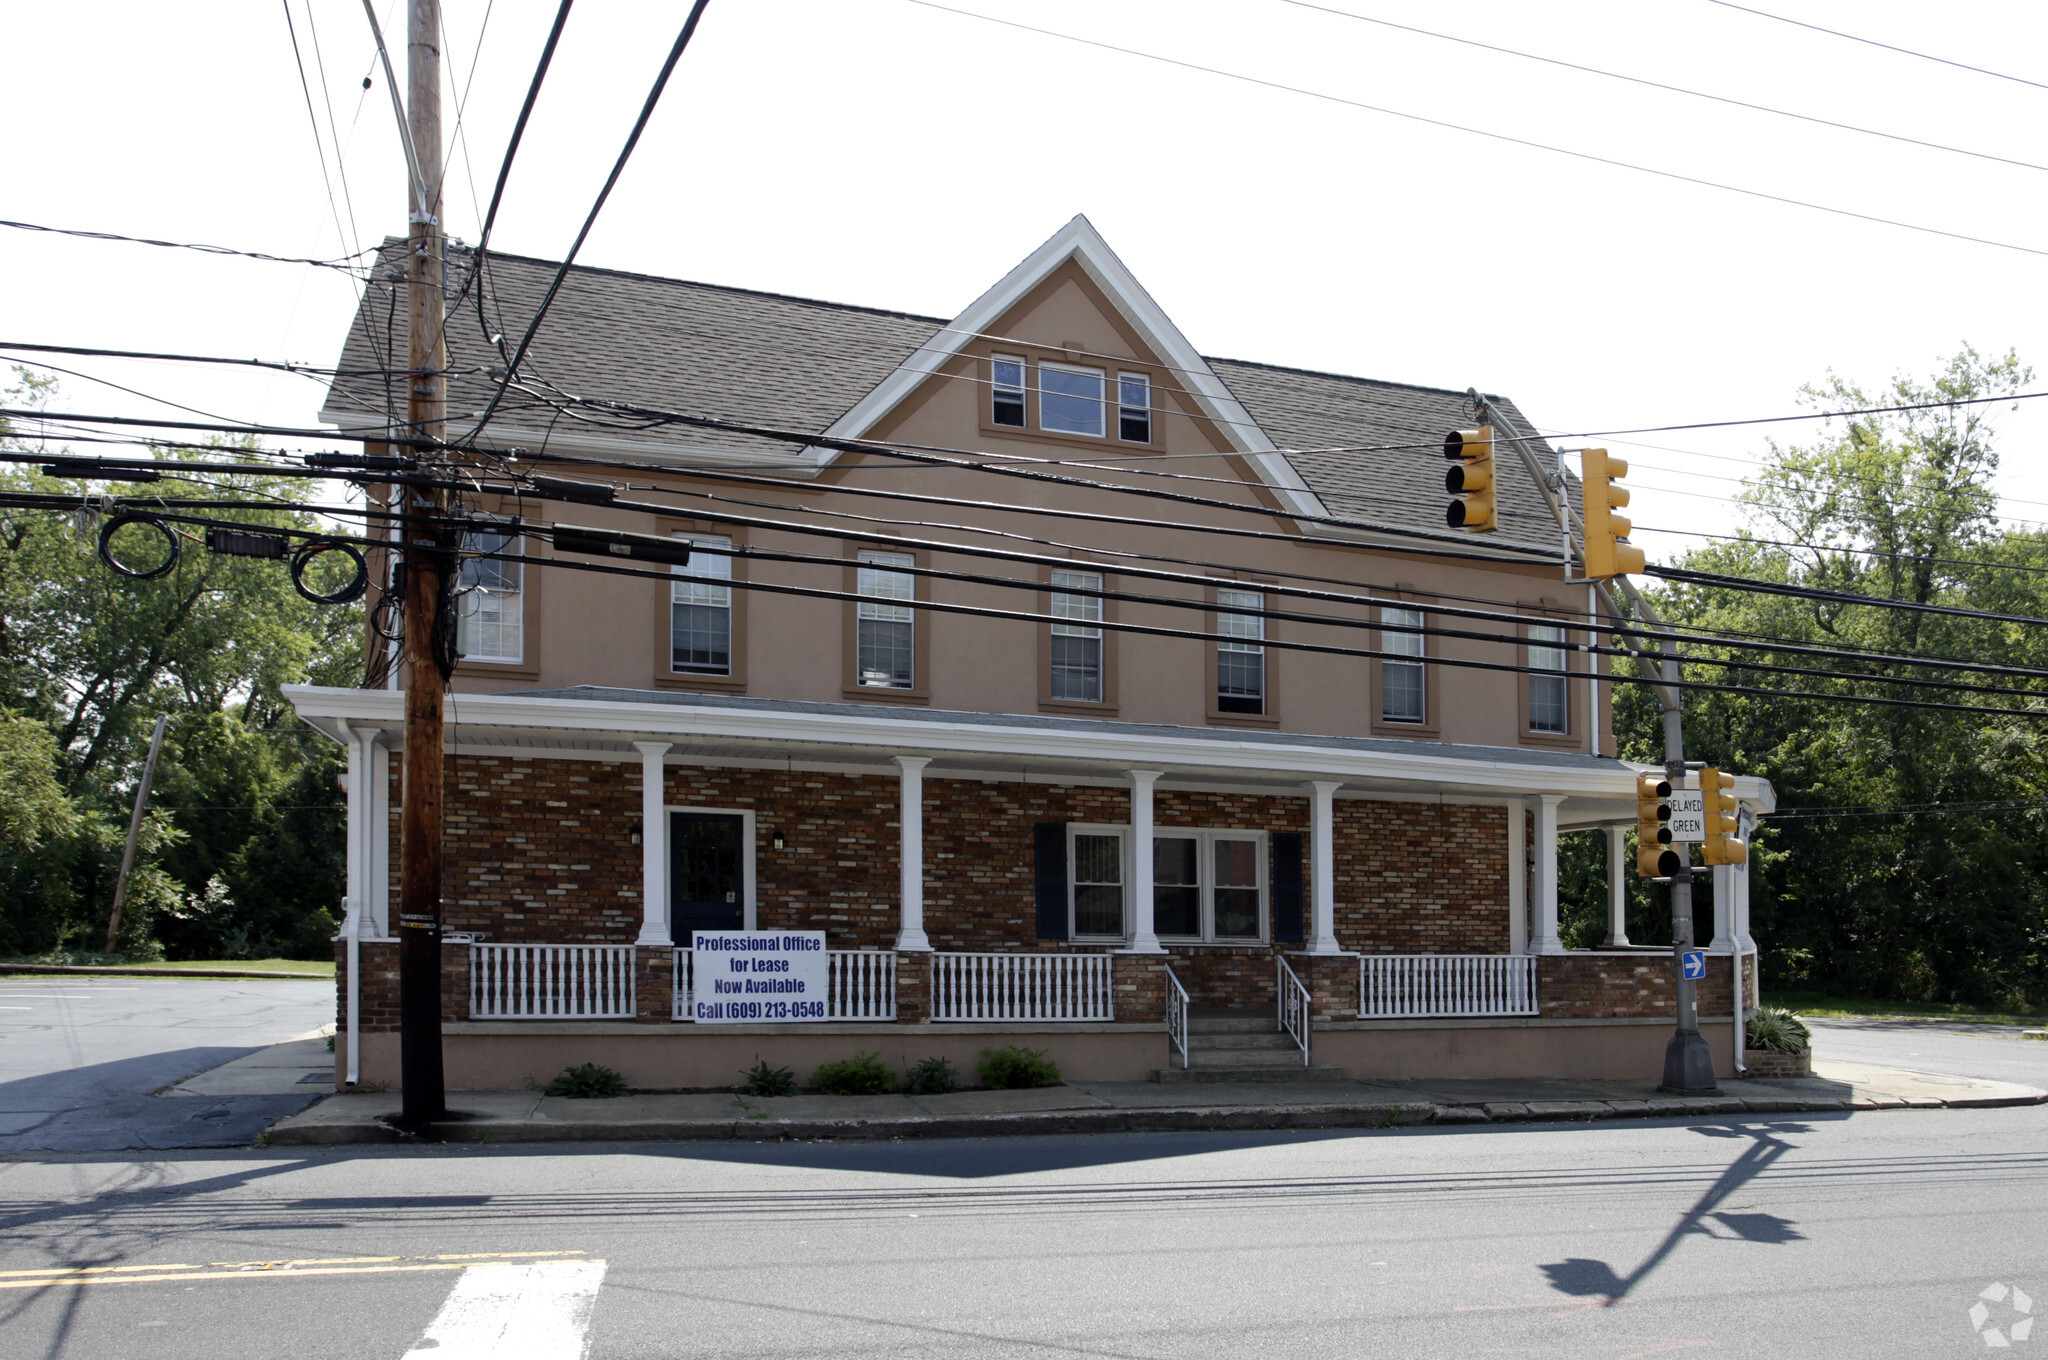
(222, 1270)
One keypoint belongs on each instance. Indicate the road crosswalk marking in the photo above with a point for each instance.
(534, 1310)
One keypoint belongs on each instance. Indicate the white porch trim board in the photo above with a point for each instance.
(654, 922)
(910, 936)
(1516, 813)
(1617, 887)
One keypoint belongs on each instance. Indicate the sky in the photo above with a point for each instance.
(905, 155)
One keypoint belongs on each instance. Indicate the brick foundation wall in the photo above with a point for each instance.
(1138, 985)
(1625, 986)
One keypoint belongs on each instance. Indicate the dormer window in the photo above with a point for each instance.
(1006, 390)
(1070, 400)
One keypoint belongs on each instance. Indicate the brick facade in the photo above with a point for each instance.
(1627, 986)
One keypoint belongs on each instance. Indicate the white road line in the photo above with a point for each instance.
(539, 1311)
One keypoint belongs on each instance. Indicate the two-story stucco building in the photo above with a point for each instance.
(1143, 712)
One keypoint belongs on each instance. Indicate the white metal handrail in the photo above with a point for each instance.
(860, 984)
(1177, 1014)
(551, 981)
(1022, 987)
(1415, 986)
(1293, 1007)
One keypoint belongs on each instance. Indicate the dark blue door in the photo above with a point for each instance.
(706, 874)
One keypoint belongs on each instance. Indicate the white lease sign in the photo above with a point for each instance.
(1688, 816)
(751, 977)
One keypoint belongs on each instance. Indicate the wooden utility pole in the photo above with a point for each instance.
(428, 560)
(156, 741)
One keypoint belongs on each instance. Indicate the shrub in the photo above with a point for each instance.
(588, 1081)
(931, 1077)
(1777, 1030)
(861, 1075)
(763, 1080)
(1011, 1068)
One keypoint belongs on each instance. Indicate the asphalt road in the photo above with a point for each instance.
(79, 1057)
(1868, 1236)
(1992, 1052)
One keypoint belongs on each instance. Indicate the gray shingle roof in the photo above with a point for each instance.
(797, 363)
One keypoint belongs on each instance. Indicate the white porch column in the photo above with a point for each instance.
(356, 893)
(380, 842)
(1518, 877)
(1724, 910)
(1144, 939)
(910, 817)
(1322, 931)
(654, 923)
(1545, 807)
(1617, 887)
(1746, 823)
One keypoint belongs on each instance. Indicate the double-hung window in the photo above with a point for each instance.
(700, 609)
(1401, 681)
(490, 622)
(1207, 886)
(886, 648)
(1072, 401)
(1006, 390)
(1134, 408)
(1077, 637)
(1548, 662)
(1241, 662)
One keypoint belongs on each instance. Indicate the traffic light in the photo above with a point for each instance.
(1597, 477)
(1654, 856)
(1471, 478)
(1718, 802)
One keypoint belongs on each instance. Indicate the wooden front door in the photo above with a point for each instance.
(707, 887)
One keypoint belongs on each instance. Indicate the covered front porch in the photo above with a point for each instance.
(976, 875)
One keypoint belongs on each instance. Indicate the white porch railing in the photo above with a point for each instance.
(1414, 986)
(1022, 987)
(860, 985)
(1177, 1015)
(550, 981)
(1294, 1007)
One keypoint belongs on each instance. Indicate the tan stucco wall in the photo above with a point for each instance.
(1598, 1049)
(585, 628)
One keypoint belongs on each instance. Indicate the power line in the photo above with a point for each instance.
(340, 263)
(1707, 578)
(675, 53)
(1872, 42)
(1669, 89)
(1909, 810)
(1482, 132)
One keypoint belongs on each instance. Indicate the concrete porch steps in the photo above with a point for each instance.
(1241, 1045)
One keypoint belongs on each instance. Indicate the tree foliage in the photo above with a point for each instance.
(1944, 906)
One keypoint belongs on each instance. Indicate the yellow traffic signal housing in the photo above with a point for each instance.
(1655, 857)
(1718, 802)
(1604, 556)
(1471, 479)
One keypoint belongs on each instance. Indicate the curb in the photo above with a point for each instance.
(115, 971)
(1399, 1115)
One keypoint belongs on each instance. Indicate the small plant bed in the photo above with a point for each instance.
(1013, 1068)
(864, 1074)
(588, 1081)
(931, 1077)
(763, 1080)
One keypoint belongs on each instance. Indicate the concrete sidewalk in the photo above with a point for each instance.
(1115, 1107)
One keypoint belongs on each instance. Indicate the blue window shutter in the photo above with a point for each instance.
(1287, 886)
(1050, 841)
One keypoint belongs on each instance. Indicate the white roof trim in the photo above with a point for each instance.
(385, 709)
(1079, 241)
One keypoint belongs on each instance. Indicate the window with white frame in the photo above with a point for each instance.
(886, 648)
(1077, 636)
(1006, 390)
(1547, 667)
(1240, 662)
(1134, 408)
(490, 620)
(1402, 694)
(1207, 886)
(700, 609)
(1072, 400)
